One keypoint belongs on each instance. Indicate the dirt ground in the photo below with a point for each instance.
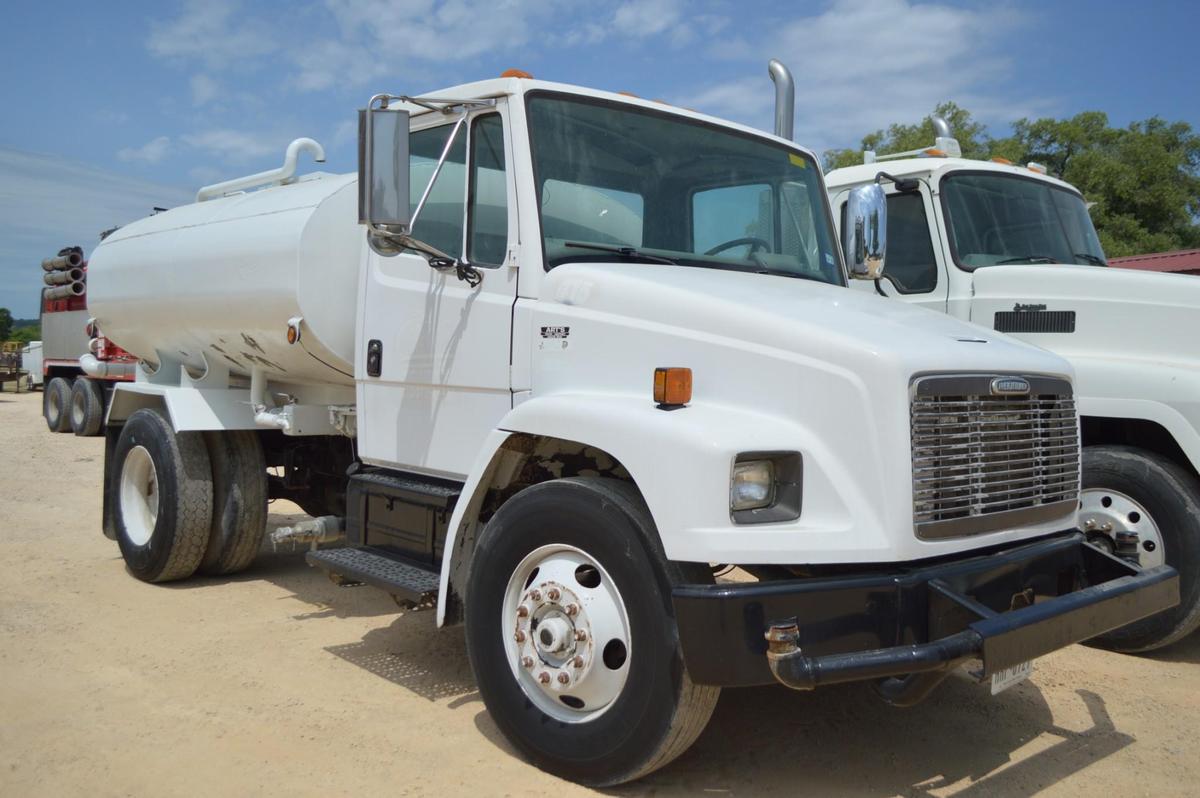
(277, 682)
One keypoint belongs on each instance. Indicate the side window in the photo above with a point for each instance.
(732, 212)
(910, 259)
(441, 221)
(488, 219)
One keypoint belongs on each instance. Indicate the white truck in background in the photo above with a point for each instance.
(1014, 249)
(553, 357)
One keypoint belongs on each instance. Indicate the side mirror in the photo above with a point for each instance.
(864, 235)
(383, 192)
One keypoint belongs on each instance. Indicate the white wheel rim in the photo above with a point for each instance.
(139, 495)
(1110, 511)
(557, 631)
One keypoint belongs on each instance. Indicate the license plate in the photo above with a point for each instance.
(1002, 680)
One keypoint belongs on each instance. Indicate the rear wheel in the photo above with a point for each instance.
(56, 403)
(239, 517)
(163, 491)
(571, 634)
(1130, 489)
(87, 407)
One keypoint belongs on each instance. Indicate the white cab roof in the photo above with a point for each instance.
(935, 167)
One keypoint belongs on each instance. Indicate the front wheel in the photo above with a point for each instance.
(571, 634)
(1130, 489)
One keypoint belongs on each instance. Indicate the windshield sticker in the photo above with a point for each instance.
(798, 160)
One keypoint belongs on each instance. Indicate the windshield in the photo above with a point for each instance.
(615, 181)
(1007, 219)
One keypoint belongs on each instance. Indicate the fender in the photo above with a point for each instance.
(1103, 386)
(681, 461)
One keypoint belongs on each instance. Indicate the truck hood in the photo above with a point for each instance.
(1118, 313)
(817, 320)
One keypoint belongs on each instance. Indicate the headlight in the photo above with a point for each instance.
(753, 485)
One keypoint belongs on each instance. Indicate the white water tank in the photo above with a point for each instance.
(221, 279)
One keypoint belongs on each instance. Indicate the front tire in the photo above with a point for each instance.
(1127, 488)
(606, 706)
(56, 404)
(163, 497)
(87, 407)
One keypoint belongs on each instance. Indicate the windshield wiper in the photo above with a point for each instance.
(1028, 259)
(629, 253)
(1090, 258)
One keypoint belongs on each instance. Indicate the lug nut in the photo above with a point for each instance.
(527, 662)
(577, 662)
(553, 594)
(536, 595)
(580, 635)
(519, 636)
(522, 611)
(563, 678)
(544, 677)
(1090, 523)
(572, 609)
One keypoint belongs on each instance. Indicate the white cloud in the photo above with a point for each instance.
(47, 203)
(211, 31)
(863, 64)
(204, 89)
(152, 151)
(237, 146)
(642, 18)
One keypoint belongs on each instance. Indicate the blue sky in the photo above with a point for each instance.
(111, 108)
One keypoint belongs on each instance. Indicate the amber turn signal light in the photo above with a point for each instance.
(672, 386)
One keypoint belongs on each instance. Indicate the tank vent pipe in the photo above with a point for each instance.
(281, 175)
(266, 414)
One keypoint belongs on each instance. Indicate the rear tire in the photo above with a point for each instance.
(1170, 497)
(163, 494)
(239, 518)
(56, 404)
(87, 407)
(640, 713)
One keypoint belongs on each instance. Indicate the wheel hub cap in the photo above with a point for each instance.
(567, 633)
(1108, 512)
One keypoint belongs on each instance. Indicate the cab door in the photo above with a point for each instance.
(437, 378)
(915, 270)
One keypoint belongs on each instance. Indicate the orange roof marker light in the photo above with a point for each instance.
(1034, 166)
(1004, 161)
(934, 152)
(629, 94)
(516, 73)
(672, 387)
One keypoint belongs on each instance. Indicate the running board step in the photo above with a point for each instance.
(404, 579)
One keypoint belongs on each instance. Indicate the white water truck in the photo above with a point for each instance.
(554, 359)
(1012, 248)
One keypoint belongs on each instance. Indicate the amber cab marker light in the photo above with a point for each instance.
(516, 73)
(672, 387)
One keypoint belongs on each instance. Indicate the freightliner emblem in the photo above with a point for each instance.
(1009, 386)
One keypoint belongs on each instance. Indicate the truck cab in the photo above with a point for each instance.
(554, 360)
(1013, 249)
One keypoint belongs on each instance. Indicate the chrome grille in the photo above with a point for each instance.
(983, 462)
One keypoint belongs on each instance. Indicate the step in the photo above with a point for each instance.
(373, 566)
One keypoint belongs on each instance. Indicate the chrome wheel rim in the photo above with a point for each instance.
(139, 495)
(566, 633)
(1110, 511)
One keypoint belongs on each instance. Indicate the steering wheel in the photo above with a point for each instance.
(755, 245)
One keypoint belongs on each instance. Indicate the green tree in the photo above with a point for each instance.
(26, 334)
(972, 137)
(6, 323)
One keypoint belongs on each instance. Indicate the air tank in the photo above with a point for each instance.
(219, 281)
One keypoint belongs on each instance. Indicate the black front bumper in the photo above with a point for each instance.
(1004, 607)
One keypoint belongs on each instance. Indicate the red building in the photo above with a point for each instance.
(1183, 261)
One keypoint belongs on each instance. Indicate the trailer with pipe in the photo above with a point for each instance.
(78, 366)
(554, 360)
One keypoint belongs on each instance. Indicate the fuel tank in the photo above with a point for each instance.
(219, 282)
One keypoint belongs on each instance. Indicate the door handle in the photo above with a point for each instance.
(374, 357)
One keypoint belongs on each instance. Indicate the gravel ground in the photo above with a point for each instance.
(277, 682)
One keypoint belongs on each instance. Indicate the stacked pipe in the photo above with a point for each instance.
(64, 274)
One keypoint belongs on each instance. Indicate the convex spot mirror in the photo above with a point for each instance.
(864, 236)
(383, 192)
